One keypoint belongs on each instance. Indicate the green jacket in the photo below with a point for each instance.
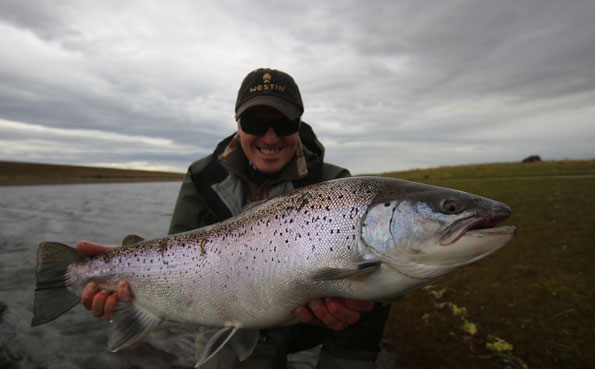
(220, 185)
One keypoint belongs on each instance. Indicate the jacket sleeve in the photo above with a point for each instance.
(191, 210)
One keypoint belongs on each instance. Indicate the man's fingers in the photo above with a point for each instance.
(337, 309)
(304, 315)
(91, 248)
(98, 306)
(321, 311)
(110, 306)
(359, 305)
(88, 293)
(124, 293)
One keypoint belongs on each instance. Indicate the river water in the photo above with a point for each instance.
(102, 213)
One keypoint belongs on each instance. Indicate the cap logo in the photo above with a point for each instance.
(267, 85)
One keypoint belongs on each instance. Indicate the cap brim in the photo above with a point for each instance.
(288, 109)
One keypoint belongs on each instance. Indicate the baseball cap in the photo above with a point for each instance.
(272, 88)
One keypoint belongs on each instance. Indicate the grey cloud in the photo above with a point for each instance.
(423, 82)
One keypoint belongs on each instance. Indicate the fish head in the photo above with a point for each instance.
(426, 231)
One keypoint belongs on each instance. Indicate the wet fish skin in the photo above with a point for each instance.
(366, 238)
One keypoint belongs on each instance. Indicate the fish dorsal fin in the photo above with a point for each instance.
(215, 344)
(357, 269)
(252, 205)
(131, 239)
(130, 323)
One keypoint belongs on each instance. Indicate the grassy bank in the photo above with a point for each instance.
(17, 173)
(529, 305)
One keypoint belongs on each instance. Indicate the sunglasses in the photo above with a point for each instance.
(259, 126)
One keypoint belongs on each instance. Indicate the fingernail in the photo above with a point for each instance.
(121, 287)
(91, 288)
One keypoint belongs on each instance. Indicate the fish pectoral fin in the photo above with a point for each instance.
(129, 324)
(358, 269)
(215, 344)
(244, 342)
(131, 239)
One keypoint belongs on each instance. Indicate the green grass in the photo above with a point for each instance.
(535, 294)
(498, 170)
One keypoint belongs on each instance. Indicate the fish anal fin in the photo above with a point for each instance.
(130, 323)
(131, 239)
(243, 343)
(358, 269)
(215, 344)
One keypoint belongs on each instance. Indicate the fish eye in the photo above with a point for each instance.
(451, 207)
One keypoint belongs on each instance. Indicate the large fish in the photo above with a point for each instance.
(368, 238)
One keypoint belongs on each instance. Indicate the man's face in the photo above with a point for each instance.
(269, 152)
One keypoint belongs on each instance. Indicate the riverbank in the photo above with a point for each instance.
(29, 174)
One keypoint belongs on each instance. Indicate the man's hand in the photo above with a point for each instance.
(333, 312)
(101, 303)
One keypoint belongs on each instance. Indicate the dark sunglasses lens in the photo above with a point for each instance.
(286, 127)
(259, 126)
(253, 126)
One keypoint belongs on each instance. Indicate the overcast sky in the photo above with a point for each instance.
(387, 85)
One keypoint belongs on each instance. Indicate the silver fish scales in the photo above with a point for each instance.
(367, 238)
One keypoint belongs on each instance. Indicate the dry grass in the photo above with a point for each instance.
(531, 304)
(16, 173)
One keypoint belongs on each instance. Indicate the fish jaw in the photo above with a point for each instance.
(468, 248)
(431, 231)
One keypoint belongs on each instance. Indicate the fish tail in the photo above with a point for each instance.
(52, 297)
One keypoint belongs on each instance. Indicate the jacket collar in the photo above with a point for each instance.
(235, 161)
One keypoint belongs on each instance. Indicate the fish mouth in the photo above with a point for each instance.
(476, 225)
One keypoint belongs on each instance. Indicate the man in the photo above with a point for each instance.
(272, 153)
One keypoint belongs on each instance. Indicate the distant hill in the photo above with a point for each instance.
(498, 170)
(19, 173)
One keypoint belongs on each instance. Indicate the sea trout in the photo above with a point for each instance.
(367, 238)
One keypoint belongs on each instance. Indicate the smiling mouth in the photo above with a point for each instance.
(269, 151)
(476, 225)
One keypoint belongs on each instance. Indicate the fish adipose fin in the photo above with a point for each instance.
(52, 297)
(129, 324)
(131, 239)
(358, 269)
